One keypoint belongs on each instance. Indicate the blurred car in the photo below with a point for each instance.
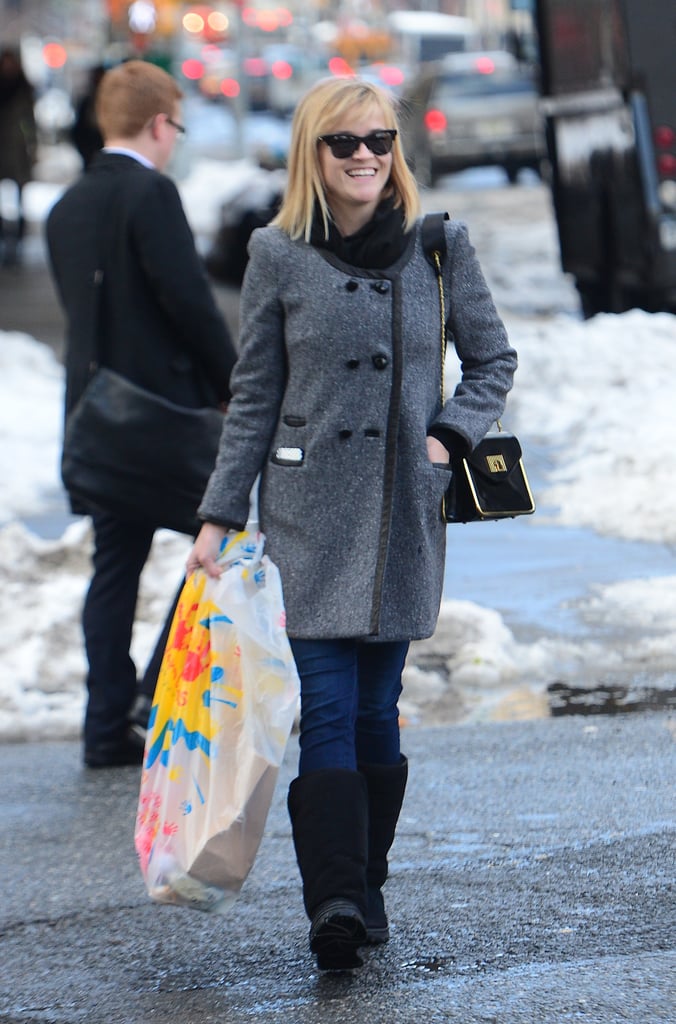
(251, 206)
(472, 110)
(386, 75)
(290, 73)
(270, 79)
(54, 115)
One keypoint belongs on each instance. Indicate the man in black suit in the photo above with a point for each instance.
(157, 324)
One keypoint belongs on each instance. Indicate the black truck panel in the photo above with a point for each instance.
(608, 82)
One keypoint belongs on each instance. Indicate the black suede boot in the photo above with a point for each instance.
(328, 810)
(385, 785)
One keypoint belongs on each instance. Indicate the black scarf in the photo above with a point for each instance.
(377, 245)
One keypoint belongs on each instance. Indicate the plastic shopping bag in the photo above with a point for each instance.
(224, 706)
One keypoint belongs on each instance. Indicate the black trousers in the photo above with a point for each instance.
(121, 550)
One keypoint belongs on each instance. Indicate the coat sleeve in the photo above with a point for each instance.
(166, 249)
(258, 384)
(488, 362)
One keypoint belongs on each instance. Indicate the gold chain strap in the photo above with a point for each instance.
(442, 307)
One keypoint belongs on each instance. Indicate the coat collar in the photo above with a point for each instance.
(376, 246)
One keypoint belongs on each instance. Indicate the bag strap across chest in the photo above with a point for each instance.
(433, 239)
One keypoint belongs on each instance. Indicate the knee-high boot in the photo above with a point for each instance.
(328, 810)
(385, 785)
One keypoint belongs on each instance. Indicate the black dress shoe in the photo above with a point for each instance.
(139, 715)
(128, 751)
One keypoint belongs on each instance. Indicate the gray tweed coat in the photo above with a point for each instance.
(335, 389)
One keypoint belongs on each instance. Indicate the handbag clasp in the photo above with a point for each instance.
(496, 463)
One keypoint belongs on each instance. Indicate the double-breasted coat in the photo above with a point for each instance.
(336, 388)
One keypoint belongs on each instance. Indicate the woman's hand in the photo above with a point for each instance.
(205, 550)
(437, 452)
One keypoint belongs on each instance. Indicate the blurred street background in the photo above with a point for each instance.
(236, 58)
(580, 92)
(242, 67)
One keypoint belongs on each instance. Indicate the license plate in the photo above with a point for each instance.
(494, 129)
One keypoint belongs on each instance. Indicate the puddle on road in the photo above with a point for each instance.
(527, 703)
(431, 965)
(559, 699)
(606, 700)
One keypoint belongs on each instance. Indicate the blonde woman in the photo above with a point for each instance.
(336, 404)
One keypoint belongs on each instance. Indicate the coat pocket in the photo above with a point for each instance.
(288, 455)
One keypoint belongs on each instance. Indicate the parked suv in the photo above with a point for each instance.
(472, 110)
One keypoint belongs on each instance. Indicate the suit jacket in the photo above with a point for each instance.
(154, 318)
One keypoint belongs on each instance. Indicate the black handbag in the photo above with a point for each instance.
(490, 482)
(137, 455)
(133, 453)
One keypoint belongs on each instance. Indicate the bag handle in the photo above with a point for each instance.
(433, 238)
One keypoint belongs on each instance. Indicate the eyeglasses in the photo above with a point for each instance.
(174, 124)
(343, 145)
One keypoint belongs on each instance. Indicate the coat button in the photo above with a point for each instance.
(382, 287)
(352, 286)
(352, 364)
(380, 361)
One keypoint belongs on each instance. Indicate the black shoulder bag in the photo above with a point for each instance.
(133, 453)
(490, 482)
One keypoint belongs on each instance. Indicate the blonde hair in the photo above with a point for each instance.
(130, 95)
(323, 109)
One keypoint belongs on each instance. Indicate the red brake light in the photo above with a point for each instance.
(193, 69)
(390, 75)
(255, 67)
(230, 87)
(435, 120)
(281, 69)
(666, 165)
(665, 137)
(484, 65)
(339, 67)
(54, 55)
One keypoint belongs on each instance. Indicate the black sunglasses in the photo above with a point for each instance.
(343, 145)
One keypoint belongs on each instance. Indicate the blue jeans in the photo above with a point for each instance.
(349, 694)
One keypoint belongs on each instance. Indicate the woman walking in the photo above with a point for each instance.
(336, 404)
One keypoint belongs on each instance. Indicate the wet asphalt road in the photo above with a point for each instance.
(532, 881)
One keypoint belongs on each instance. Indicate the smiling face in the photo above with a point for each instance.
(354, 185)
